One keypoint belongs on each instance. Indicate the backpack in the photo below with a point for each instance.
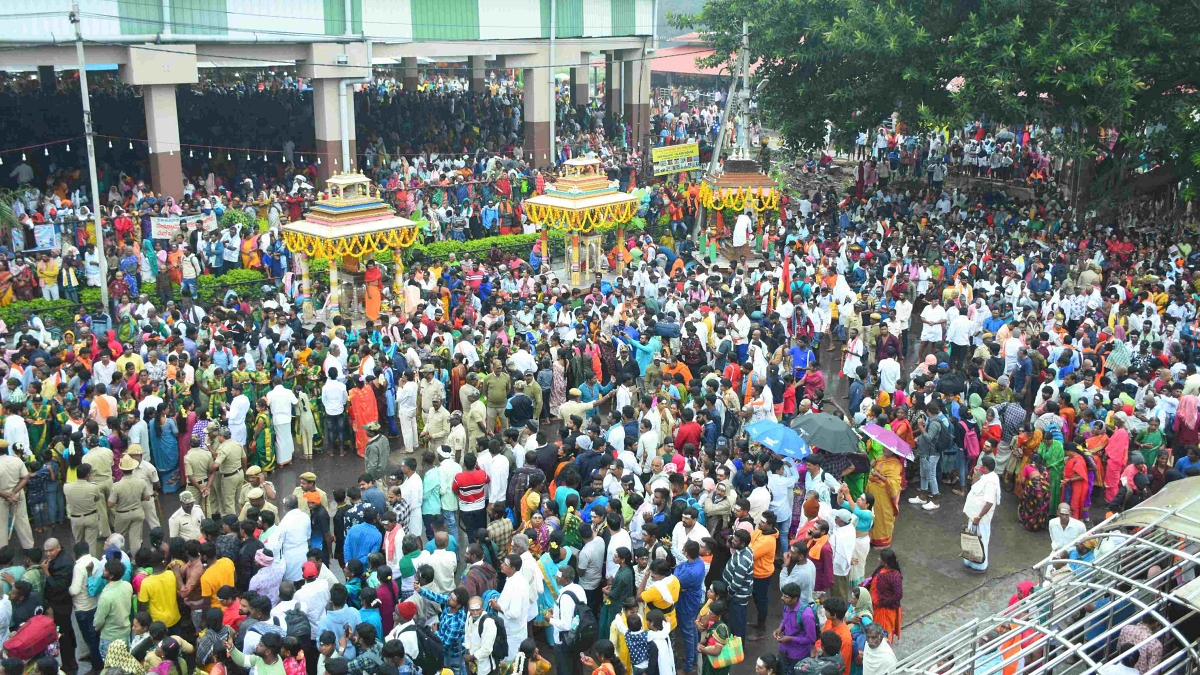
(297, 624)
(945, 437)
(520, 484)
(32, 639)
(262, 628)
(583, 635)
(689, 500)
(429, 649)
(500, 645)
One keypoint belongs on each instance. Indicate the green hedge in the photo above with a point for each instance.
(248, 284)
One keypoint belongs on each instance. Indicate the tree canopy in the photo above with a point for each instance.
(1119, 78)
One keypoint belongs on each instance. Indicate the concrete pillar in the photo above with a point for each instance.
(612, 88)
(581, 90)
(537, 109)
(635, 94)
(162, 132)
(478, 74)
(47, 78)
(411, 80)
(328, 121)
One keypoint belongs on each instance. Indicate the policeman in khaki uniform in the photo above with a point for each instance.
(126, 499)
(255, 479)
(85, 504)
(255, 498)
(149, 474)
(308, 483)
(230, 463)
(101, 460)
(197, 463)
(13, 477)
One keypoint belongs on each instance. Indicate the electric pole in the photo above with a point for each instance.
(91, 152)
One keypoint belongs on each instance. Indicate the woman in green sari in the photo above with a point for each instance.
(620, 588)
(239, 375)
(1055, 459)
(262, 447)
(977, 410)
(126, 329)
(204, 373)
(38, 414)
(217, 394)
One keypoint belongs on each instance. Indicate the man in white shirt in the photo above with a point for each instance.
(444, 563)
(933, 318)
(1064, 529)
(981, 505)
(513, 604)
(760, 497)
(333, 361)
(618, 537)
(282, 402)
(889, 372)
(185, 522)
(842, 540)
(687, 529)
(563, 617)
(406, 410)
(497, 472)
(104, 369)
(333, 402)
(239, 407)
(958, 334)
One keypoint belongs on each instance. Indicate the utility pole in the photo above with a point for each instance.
(91, 152)
(744, 96)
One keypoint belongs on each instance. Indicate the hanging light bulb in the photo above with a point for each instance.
(318, 160)
(68, 147)
(228, 157)
(301, 159)
(149, 149)
(1, 161)
(130, 145)
(190, 154)
(264, 156)
(210, 154)
(110, 142)
(22, 157)
(247, 157)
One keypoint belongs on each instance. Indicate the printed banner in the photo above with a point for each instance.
(44, 237)
(166, 227)
(675, 158)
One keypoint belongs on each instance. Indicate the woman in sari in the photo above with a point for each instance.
(617, 591)
(887, 592)
(1029, 441)
(6, 285)
(127, 329)
(1076, 483)
(538, 532)
(262, 441)
(362, 410)
(1096, 440)
(373, 290)
(306, 425)
(1033, 509)
(458, 375)
(714, 633)
(38, 414)
(128, 266)
(240, 375)
(884, 486)
(558, 392)
(164, 449)
(1053, 459)
(217, 394)
(175, 264)
(548, 564)
(1116, 454)
(251, 260)
(149, 260)
(24, 281)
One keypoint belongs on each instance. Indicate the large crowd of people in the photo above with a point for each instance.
(561, 479)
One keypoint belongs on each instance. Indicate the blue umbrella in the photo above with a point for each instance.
(778, 438)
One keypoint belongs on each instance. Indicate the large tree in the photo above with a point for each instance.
(1118, 78)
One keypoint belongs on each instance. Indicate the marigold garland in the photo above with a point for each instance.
(582, 221)
(355, 246)
(760, 199)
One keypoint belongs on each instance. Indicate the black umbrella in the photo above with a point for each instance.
(827, 432)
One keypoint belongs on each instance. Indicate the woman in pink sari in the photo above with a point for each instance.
(1117, 455)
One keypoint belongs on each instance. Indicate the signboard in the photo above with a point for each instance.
(675, 158)
(166, 227)
(44, 237)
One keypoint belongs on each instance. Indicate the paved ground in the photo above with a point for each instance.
(938, 595)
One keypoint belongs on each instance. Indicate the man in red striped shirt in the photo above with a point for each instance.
(470, 486)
